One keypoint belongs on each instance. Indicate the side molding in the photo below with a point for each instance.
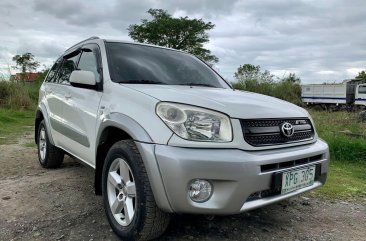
(69, 132)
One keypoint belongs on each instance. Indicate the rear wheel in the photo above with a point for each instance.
(49, 156)
(128, 199)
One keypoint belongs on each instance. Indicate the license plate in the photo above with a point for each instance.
(296, 179)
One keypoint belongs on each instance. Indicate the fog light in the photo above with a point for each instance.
(200, 190)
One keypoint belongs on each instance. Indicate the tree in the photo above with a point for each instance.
(292, 78)
(251, 78)
(42, 74)
(249, 72)
(179, 33)
(25, 63)
(361, 76)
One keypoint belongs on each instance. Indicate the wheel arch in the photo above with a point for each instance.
(41, 114)
(115, 128)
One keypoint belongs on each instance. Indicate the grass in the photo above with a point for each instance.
(17, 109)
(345, 180)
(347, 175)
(30, 145)
(15, 95)
(14, 123)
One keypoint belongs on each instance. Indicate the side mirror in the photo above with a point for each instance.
(82, 78)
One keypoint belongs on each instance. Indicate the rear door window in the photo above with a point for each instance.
(51, 77)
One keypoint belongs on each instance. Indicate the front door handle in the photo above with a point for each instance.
(67, 96)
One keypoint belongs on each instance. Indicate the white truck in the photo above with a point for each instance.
(348, 93)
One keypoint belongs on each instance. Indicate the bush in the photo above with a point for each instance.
(14, 95)
(346, 149)
(284, 89)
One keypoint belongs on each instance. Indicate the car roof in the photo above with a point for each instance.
(96, 39)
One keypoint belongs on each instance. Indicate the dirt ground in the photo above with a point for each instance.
(41, 204)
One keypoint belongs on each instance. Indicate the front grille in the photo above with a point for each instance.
(265, 132)
(288, 164)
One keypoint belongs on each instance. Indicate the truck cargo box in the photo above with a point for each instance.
(324, 93)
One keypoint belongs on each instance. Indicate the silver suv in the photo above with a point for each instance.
(167, 134)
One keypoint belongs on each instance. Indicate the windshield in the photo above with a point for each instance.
(140, 64)
(362, 89)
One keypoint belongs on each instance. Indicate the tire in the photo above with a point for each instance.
(49, 156)
(128, 199)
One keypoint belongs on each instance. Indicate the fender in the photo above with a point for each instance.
(146, 148)
(125, 123)
(42, 109)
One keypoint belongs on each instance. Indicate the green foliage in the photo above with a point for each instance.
(250, 73)
(287, 90)
(347, 149)
(332, 126)
(251, 78)
(179, 33)
(361, 76)
(42, 75)
(25, 63)
(14, 95)
(14, 123)
(347, 177)
(292, 78)
(329, 124)
(345, 180)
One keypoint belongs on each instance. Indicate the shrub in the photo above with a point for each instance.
(15, 96)
(283, 89)
(346, 149)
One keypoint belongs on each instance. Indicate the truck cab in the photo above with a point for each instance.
(360, 97)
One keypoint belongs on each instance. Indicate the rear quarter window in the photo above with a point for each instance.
(51, 77)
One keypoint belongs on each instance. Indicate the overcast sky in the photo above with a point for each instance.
(318, 40)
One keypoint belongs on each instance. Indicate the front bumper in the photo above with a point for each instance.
(235, 174)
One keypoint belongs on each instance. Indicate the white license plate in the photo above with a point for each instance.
(296, 179)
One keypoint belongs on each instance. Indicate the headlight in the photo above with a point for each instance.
(194, 123)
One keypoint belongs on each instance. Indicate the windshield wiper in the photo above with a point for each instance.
(200, 84)
(141, 81)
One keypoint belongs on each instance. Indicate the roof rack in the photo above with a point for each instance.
(91, 38)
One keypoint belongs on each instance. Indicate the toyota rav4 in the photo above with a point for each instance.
(166, 134)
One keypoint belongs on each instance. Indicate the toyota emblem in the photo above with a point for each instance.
(287, 129)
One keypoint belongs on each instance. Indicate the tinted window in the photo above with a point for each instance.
(67, 67)
(131, 63)
(88, 62)
(362, 89)
(53, 71)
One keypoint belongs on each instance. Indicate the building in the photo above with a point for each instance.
(27, 77)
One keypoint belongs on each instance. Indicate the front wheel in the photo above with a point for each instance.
(128, 199)
(49, 156)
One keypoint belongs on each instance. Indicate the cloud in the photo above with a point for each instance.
(318, 40)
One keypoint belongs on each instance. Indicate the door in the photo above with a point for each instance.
(80, 109)
(361, 95)
(53, 101)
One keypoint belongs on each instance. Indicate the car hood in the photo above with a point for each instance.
(235, 103)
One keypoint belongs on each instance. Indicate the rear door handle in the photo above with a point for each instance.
(67, 96)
